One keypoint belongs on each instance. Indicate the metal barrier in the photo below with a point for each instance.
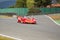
(24, 11)
(18, 11)
(50, 10)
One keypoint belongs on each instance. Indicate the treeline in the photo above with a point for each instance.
(32, 3)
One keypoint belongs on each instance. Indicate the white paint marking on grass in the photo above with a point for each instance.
(52, 20)
(10, 37)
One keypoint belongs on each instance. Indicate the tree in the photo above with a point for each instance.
(46, 2)
(43, 3)
(19, 4)
(30, 3)
(58, 1)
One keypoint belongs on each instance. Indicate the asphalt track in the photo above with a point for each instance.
(45, 29)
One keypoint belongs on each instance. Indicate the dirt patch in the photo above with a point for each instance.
(55, 16)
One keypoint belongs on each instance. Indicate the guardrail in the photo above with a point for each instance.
(24, 11)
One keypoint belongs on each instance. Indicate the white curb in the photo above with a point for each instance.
(10, 37)
(52, 20)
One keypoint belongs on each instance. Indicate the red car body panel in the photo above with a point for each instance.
(26, 20)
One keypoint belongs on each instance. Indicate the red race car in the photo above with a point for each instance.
(26, 20)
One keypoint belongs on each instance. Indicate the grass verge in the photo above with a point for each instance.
(55, 17)
(4, 16)
(58, 21)
(5, 38)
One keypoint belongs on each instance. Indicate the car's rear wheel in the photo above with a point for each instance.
(22, 22)
(18, 21)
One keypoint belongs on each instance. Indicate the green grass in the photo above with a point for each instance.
(5, 38)
(58, 21)
(3, 16)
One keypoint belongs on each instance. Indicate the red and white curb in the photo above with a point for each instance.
(10, 37)
(52, 20)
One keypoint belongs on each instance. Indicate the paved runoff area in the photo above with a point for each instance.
(45, 29)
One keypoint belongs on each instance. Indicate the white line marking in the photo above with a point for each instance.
(14, 15)
(10, 37)
(52, 20)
